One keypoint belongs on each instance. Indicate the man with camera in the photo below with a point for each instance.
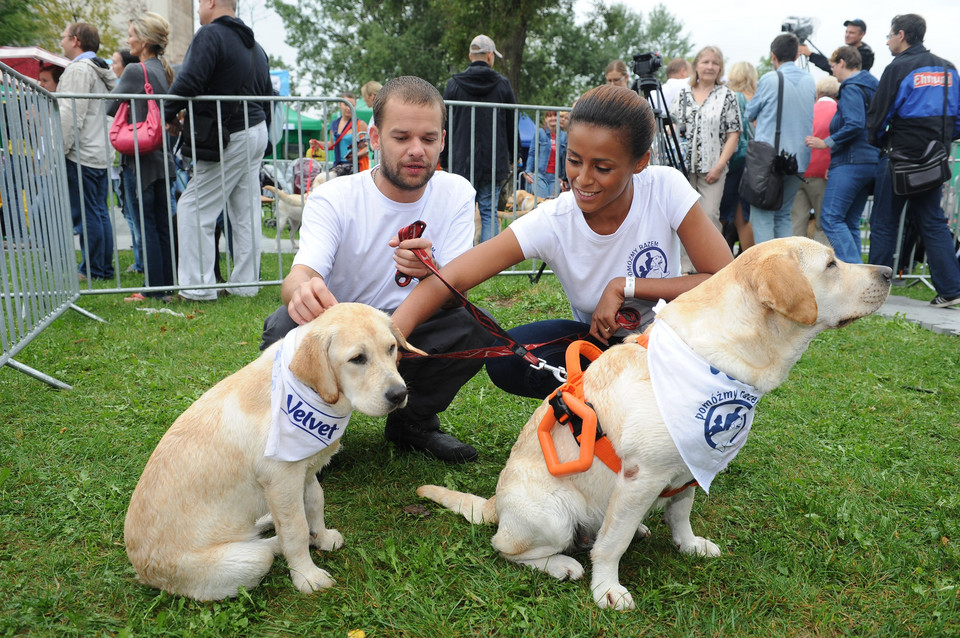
(853, 36)
(913, 115)
(799, 95)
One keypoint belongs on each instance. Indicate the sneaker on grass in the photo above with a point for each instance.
(942, 302)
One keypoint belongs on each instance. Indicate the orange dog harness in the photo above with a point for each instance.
(569, 407)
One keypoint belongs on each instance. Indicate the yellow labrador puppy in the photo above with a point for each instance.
(713, 352)
(242, 459)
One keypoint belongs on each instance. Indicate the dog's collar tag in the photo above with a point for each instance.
(302, 424)
(707, 413)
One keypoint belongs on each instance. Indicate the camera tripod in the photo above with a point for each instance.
(666, 145)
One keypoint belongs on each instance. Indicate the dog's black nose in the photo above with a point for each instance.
(887, 273)
(397, 394)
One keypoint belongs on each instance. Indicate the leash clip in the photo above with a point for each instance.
(559, 372)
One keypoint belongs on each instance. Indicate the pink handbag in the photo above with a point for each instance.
(149, 133)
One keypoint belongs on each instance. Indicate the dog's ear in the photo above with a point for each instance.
(402, 343)
(311, 364)
(782, 287)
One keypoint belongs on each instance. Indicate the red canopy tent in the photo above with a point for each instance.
(28, 60)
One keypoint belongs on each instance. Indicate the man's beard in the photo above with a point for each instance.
(393, 176)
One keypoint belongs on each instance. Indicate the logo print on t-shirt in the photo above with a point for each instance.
(650, 263)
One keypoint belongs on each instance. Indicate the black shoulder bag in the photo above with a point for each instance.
(210, 136)
(914, 176)
(765, 167)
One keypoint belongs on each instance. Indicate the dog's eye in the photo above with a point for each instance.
(360, 359)
(832, 264)
(392, 350)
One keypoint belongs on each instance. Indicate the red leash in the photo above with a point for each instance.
(627, 318)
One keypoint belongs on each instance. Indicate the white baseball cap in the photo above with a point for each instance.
(484, 44)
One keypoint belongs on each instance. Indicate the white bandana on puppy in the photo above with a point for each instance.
(302, 423)
(707, 413)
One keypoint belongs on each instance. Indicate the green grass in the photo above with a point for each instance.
(840, 517)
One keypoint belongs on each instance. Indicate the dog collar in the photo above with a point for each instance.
(707, 413)
(302, 424)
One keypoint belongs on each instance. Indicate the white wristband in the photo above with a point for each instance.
(630, 288)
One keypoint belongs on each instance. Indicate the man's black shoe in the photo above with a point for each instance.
(427, 437)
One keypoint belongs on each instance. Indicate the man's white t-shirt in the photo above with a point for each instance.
(645, 246)
(347, 223)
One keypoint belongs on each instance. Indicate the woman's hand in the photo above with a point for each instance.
(815, 142)
(603, 324)
(715, 173)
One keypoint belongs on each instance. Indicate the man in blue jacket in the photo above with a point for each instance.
(473, 132)
(799, 96)
(223, 59)
(907, 113)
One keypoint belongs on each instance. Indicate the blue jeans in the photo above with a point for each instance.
(96, 228)
(931, 225)
(848, 187)
(131, 212)
(514, 375)
(545, 185)
(770, 224)
(487, 202)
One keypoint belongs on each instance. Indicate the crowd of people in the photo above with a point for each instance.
(618, 231)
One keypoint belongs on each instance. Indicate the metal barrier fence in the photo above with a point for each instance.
(38, 281)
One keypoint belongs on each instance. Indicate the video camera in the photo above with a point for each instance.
(800, 27)
(647, 63)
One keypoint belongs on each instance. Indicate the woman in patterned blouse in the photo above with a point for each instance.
(708, 123)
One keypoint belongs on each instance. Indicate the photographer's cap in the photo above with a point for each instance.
(857, 23)
(483, 44)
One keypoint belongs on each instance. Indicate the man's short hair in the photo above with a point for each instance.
(786, 47)
(86, 34)
(850, 56)
(677, 65)
(913, 26)
(408, 89)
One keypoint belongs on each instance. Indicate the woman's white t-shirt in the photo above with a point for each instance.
(347, 223)
(645, 246)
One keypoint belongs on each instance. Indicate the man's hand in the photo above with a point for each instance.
(174, 127)
(804, 50)
(309, 300)
(407, 262)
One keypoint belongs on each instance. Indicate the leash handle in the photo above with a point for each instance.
(413, 231)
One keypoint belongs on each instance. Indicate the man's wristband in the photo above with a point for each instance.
(630, 288)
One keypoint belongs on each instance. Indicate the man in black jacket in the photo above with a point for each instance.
(223, 59)
(475, 137)
(853, 36)
(910, 109)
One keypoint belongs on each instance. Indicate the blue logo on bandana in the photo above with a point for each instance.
(724, 422)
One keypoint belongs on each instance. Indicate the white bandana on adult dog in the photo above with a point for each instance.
(302, 423)
(707, 413)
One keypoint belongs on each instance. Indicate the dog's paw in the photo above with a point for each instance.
(614, 596)
(563, 567)
(700, 547)
(311, 579)
(643, 531)
(327, 540)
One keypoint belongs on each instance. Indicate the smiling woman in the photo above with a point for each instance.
(613, 240)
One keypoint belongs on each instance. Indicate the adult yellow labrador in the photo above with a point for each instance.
(674, 412)
(242, 459)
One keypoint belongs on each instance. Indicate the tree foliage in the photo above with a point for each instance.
(550, 56)
(40, 22)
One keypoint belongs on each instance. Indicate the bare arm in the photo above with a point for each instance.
(729, 148)
(466, 271)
